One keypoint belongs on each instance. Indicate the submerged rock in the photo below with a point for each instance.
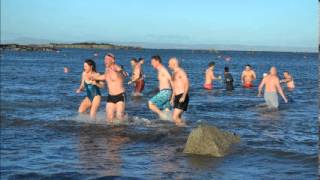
(209, 140)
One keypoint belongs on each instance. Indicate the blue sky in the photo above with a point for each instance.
(189, 23)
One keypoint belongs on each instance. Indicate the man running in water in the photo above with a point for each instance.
(228, 79)
(161, 101)
(209, 77)
(272, 88)
(180, 97)
(248, 76)
(288, 80)
(137, 75)
(114, 76)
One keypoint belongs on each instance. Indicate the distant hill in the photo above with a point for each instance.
(57, 46)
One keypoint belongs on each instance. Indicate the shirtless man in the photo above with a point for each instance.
(114, 77)
(180, 97)
(137, 75)
(288, 80)
(272, 89)
(209, 77)
(161, 101)
(248, 76)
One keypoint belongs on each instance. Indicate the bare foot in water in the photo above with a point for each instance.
(181, 124)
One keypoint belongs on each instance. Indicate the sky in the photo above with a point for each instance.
(284, 24)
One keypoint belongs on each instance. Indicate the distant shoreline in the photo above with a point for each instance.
(109, 46)
(58, 46)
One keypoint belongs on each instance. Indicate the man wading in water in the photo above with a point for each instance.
(114, 76)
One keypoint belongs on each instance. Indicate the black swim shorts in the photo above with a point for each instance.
(184, 105)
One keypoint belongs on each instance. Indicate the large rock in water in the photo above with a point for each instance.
(209, 140)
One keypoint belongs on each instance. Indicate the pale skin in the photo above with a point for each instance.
(86, 103)
(272, 84)
(165, 82)
(114, 76)
(209, 76)
(136, 67)
(288, 80)
(180, 84)
(248, 75)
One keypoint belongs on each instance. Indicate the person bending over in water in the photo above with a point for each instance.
(228, 79)
(180, 96)
(161, 101)
(137, 75)
(288, 80)
(114, 76)
(209, 77)
(272, 88)
(248, 76)
(93, 98)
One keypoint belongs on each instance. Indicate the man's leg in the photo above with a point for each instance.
(154, 108)
(176, 116)
(120, 107)
(110, 108)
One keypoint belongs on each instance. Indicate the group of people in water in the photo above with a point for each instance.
(173, 88)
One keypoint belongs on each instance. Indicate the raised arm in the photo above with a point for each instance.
(99, 77)
(279, 89)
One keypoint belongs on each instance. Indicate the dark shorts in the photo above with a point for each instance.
(184, 105)
(139, 86)
(116, 98)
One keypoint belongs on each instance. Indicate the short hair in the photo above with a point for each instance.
(156, 58)
(140, 59)
(211, 64)
(134, 59)
(248, 65)
(286, 72)
(226, 69)
(111, 55)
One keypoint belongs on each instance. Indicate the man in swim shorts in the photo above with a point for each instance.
(228, 79)
(114, 76)
(248, 76)
(137, 75)
(288, 80)
(272, 88)
(180, 96)
(209, 77)
(161, 101)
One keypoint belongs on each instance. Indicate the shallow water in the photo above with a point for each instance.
(42, 135)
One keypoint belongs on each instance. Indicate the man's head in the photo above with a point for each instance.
(226, 69)
(155, 61)
(211, 65)
(173, 63)
(133, 61)
(286, 74)
(109, 60)
(248, 67)
(141, 60)
(273, 70)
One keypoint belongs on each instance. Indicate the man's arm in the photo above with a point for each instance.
(279, 88)
(99, 77)
(184, 78)
(261, 86)
(212, 76)
(242, 77)
(254, 75)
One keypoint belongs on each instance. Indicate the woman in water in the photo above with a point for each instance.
(93, 98)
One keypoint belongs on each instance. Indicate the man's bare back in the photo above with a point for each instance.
(164, 78)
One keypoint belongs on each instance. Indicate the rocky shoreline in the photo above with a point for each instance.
(57, 47)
